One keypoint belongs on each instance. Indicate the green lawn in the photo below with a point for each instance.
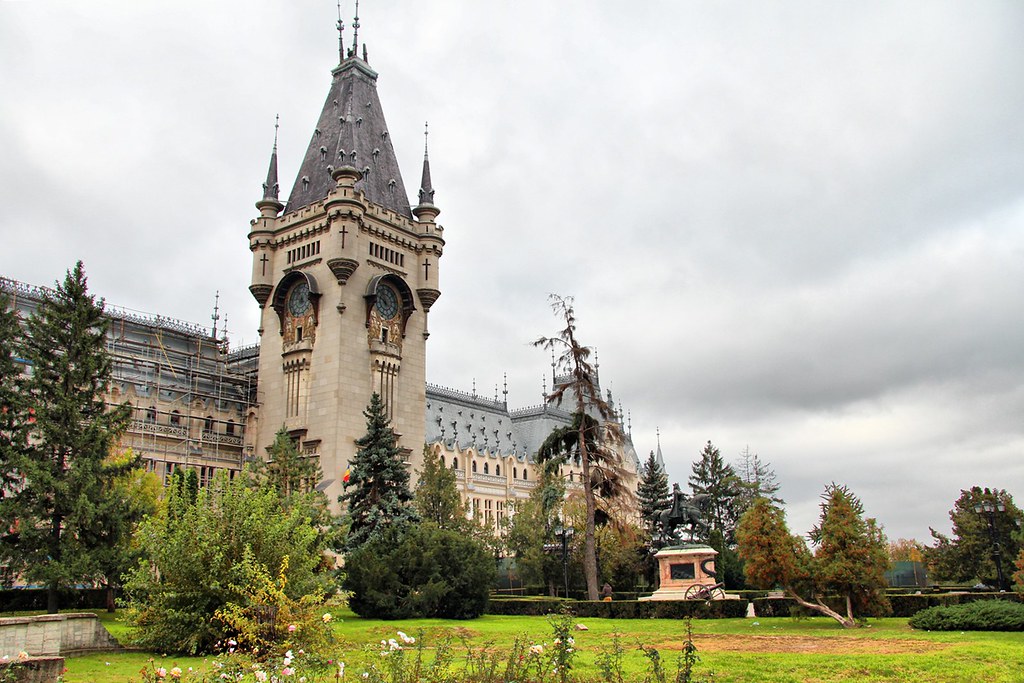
(772, 650)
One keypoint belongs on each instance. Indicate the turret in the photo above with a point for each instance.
(262, 232)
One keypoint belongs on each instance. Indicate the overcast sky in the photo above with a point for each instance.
(793, 226)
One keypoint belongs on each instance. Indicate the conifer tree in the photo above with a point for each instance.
(716, 479)
(756, 480)
(377, 493)
(850, 559)
(653, 493)
(592, 442)
(13, 412)
(63, 471)
(287, 471)
(437, 496)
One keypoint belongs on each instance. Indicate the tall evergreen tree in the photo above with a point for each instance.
(969, 555)
(377, 493)
(594, 442)
(287, 471)
(716, 479)
(63, 471)
(756, 480)
(437, 496)
(849, 562)
(13, 412)
(653, 492)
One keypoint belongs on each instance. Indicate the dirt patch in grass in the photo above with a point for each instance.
(837, 645)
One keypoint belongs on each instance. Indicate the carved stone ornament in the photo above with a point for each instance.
(427, 297)
(342, 268)
(261, 293)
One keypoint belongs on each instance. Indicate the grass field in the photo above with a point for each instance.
(773, 650)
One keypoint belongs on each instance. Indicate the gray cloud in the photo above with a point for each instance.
(793, 226)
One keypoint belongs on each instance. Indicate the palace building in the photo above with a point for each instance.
(345, 273)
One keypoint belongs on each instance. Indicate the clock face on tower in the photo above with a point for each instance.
(387, 302)
(298, 299)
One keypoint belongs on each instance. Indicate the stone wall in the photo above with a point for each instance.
(54, 635)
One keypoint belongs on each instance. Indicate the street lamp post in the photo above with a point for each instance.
(564, 533)
(989, 510)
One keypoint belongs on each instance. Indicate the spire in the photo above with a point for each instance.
(355, 33)
(341, 37)
(351, 120)
(659, 458)
(216, 313)
(426, 188)
(271, 187)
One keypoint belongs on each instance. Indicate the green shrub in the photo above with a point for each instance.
(199, 560)
(425, 572)
(990, 615)
(624, 609)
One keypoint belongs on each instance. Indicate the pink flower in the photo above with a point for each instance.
(176, 672)
(287, 671)
(291, 628)
(161, 672)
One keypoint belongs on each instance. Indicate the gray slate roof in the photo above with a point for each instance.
(351, 131)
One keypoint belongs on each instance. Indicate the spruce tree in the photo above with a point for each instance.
(653, 493)
(13, 412)
(437, 497)
(756, 480)
(377, 493)
(63, 470)
(594, 443)
(287, 470)
(716, 479)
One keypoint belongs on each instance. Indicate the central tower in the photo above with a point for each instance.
(345, 276)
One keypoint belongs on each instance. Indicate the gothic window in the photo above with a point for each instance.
(455, 463)
(485, 468)
(474, 466)
(524, 474)
(151, 414)
(175, 419)
(497, 470)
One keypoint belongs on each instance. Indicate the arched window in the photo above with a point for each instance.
(497, 470)
(175, 418)
(151, 414)
(515, 472)
(474, 465)
(524, 474)
(455, 463)
(485, 468)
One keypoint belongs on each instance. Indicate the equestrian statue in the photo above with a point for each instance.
(685, 511)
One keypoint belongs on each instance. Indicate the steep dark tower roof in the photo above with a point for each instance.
(351, 120)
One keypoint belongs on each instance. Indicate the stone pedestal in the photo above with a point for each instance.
(681, 567)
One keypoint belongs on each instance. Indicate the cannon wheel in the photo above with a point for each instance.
(698, 592)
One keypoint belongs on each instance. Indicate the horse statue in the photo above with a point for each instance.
(685, 511)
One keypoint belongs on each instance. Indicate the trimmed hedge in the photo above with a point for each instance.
(902, 605)
(992, 615)
(624, 609)
(34, 599)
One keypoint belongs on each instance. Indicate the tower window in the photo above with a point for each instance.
(485, 468)
(497, 470)
(151, 414)
(298, 333)
(175, 419)
(474, 466)
(515, 472)
(455, 463)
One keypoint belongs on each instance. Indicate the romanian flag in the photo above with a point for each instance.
(348, 475)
